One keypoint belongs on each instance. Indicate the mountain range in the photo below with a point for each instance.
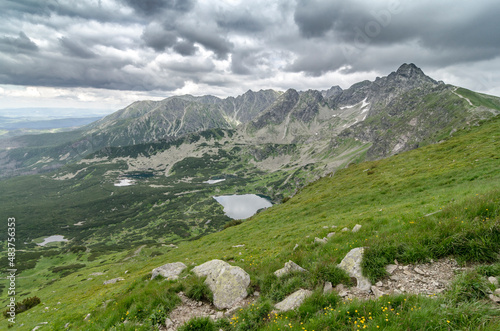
(401, 111)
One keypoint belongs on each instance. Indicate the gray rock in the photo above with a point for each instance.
(168, 323)
(341, 290)
(497, 292)
(327, 288)
(379, 284)
(331, 234)
(293, 301)
(390, 268)
(169, 271)
(227, 283)
(352, 265)
(237, 246)
(419, 271)
(114, 280)
(345, 229)
(296, 246)
(494, 298)
(289, 267)
(493, 280)
(87, 317)
(377, 292)
(356, 228)
(321, 241)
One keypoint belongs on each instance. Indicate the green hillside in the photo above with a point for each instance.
(456, 181)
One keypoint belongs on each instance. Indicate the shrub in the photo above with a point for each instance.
(232, 223)
(196, 289)
(26, 304)
(199, 324)
(468, 286)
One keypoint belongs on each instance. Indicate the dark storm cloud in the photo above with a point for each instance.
(20, 44)
(76, 49)
(156, 37)
(244, 21)
(162, 44)
(185, 48)
(154, 7)
(208, 39)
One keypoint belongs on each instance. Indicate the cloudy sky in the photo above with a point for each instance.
(109, 53)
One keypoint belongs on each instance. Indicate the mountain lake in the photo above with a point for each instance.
(242, 206)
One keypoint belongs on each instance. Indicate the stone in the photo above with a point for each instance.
(327, 288)
(494, 298)
(419, 271)
(97, 274)
(356, 228)
(293, 301)
(352, 265)
(296, 246)
(227, 283)
(237, 246)
(377, 292)
(493, 280)
(341, 290)
(390, 268)
(334, 226)
(170, 271)
(87, 317)
(289, 267)
(345, 229)
(66, 325)
(321, 241)
(497, 292)
(379, 284)
(326, 227)
(114, 280)
(168, 323)
(331, 234)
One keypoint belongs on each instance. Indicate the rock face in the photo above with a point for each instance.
(227, 283)
(352, 265)
(289, 267)
(169, 271)
(293, 301)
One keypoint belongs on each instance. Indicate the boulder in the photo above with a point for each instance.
(331, 234)
(327, 288)
(169, 271)
(293, 301)
(356, 228)
(227, 283)
(289, 267)
(493, 280)
(321, 241)
(114, 280)
(352, 265)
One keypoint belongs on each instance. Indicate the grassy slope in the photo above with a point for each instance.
(389, 198)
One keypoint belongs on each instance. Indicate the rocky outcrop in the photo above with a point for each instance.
(169, 271)
(112, 281)
(293, 301)
(289, 267)
(352, 265)
(227, 283)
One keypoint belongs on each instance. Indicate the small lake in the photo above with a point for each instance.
(52, 239)
(242, 206)
(214, 181)
(125, 182)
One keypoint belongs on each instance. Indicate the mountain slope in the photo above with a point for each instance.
(391, 198)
